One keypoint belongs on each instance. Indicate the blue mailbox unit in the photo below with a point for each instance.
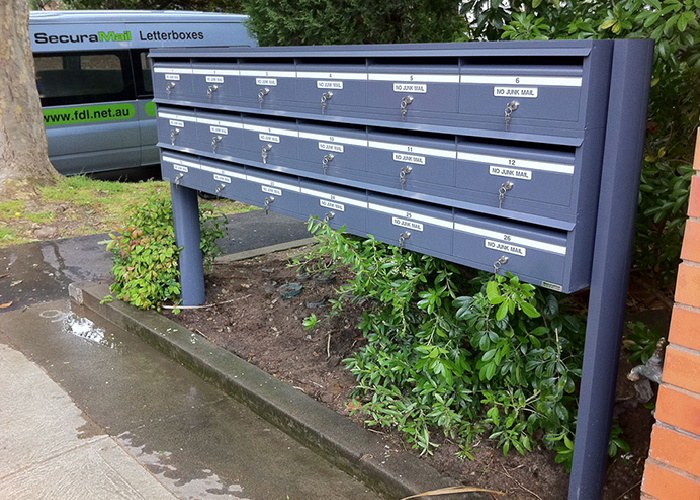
(509, 156)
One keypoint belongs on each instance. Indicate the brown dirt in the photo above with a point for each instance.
(266, 330)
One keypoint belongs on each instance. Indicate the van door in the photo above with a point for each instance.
(90, 112)
(145, 107)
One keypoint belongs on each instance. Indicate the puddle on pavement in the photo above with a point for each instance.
(206, 485)
(83, 328)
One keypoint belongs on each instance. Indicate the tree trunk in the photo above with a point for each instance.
(24, 151)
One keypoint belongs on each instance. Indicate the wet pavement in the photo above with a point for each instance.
(41, 271)
(132, 405)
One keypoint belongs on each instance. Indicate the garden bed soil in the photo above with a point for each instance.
(258, 325)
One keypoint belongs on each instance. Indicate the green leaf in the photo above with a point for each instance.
(492, 291)
(530, 310)
(502, 311)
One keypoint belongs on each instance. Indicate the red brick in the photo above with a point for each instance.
(691, 241)
(682, 369)
(694, 204)
(688, 285)
(676, 449)
(665, 484)
(678, 409)
(697, 152)
(685, 328)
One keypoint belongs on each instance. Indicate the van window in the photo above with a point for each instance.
(142, 74)
(79, 78)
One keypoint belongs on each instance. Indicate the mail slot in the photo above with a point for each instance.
(520, 94)
(172, 81)
(219, 133)
(537, 255)
(408, 91)
(177, 127)
(224, 179)
(272, 191)
(331, 88)
(181, 170)
(335, 152)
(269, 140)
(515, 177)
(413, 225)
(216, 83)
(336, 205)
(411, 162)
(267, 84)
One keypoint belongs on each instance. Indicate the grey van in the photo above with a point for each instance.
(94, 79)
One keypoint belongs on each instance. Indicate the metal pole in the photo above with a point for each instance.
(612, 258)
(187, 235)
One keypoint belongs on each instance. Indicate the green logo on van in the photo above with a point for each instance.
(86, 114)
(99, 37)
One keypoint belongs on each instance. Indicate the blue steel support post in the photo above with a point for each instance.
(624, 143)
(187, 235)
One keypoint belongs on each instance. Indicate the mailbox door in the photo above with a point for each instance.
(535, 254)
(407, 92)
(220, 134)
(332, 89)
(342, 154)
(336, 205)
(227, 180)
(542, 93)
(177, 128)
(269, 140)
(267, 85)
(181, 170)
(215, 83)
(413, 225)
(523, 175)
(172, 81)
(272, 191)
(412, 162)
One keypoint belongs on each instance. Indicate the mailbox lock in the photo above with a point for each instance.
(402, 239)
(173, 133)
(329, 217)
(268, 202)
(215, 142)
(179, 176)
(402, 175)
(497, 265)
(219, 188)
(404, 106)
(510, 107)
(265, 149)
(326, 160)
(505, 187)
(211, 89)
(324, 101)
(262, 94)
(169, 88)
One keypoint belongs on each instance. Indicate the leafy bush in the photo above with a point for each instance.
(466, 355)
(145, 260)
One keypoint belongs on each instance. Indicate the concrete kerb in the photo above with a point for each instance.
(337, 439)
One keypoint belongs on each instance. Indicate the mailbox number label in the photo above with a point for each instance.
(270, 82)
(218, 130)
(269, 138)
(324, 84)
(404, 158)
(214, 79)
(407, 224)
(332, 204)
(324, 146)
(180, 168)
(515, 92)
(222, 178)
(505, 247)
(511, 172)
(271, 190)
(176, 123)
(172, 77)
(419, 88)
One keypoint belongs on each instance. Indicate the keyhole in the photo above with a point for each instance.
(326, 160)
(402, 175)
(262, 94)
(405, 102)
(324, 101)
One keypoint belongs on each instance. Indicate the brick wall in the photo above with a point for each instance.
(672, 470)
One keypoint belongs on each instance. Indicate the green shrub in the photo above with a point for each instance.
(145, 260)
(467, 355)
